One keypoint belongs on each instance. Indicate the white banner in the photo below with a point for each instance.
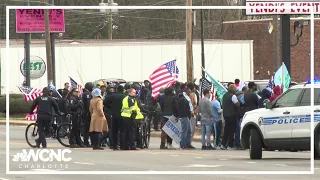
(173, 129)
(284, 7)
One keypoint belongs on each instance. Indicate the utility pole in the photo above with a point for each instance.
(27, 38)
(48, 46)
(53, 51)
(110, 23)
(189, 42)
(275, 44)
(285, 41)
(202, 42)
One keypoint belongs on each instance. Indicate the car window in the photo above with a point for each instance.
(305, 100)
(289, 99)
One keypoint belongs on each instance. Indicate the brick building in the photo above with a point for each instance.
(263, 60)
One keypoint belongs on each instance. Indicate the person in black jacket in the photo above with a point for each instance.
(114, 105)
(166, 108)
(45, 104)
(75, 109)
(64, 106)
(181, 109)
(230, 106)
(86, 116)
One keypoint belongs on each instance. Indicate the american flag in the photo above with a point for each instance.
(30, 93)
(163, 76)
(206, 84)
(74, 84)
(33, 116)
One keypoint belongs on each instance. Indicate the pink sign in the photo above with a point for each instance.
(32, 20)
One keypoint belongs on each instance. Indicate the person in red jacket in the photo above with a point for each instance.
(277, 91)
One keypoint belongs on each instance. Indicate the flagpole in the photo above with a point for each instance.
(174, 71)
(283, 80)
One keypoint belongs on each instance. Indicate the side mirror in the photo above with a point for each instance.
(265, 102)
(269, 105)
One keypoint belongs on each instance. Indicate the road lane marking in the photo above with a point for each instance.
(2, 133)
(3, 178)
(222, 159)
(175, 155)
(83, 163)
(202, 166)
(199, 157)
(251, 162)
(281, 165)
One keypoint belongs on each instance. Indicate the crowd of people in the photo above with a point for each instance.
(110, 114)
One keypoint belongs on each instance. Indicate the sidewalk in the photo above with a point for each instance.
(13, 122)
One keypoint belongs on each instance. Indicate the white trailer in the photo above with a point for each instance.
(132, 60)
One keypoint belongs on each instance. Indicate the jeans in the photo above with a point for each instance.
(206, 128)
(185, 132)
(217, 132)
(237, 134)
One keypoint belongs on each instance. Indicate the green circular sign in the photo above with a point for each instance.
(37, 67)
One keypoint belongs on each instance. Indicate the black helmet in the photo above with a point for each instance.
(127, 85)
(89, 86)
(135, 86)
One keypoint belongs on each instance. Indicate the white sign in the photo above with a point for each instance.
(173, 129)
(43, 155)
(281, 7)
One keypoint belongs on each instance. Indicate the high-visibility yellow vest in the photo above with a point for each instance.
(127, 111)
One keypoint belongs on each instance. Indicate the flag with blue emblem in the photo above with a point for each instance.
(163, 76)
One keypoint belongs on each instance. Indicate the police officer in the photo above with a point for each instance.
(86, 116)
(130, 113)
(64, 105)
(45, 104)
(75, 109)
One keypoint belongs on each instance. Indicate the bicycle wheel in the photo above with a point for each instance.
(32, 129)
(141, 136)
(147, 135)
(63, 134)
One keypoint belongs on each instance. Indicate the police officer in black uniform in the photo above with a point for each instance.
(45, 104)
(75, 109)
(86, 116)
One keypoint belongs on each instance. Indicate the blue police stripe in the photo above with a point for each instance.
(301, 119)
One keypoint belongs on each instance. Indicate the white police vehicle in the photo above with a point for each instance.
(284, 124)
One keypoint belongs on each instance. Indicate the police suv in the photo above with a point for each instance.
(284, 124)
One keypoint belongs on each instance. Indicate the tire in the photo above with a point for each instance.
(317, 146)
(147, 135)
(32, 129)
(255, 149)
(63, 134)
(142, 136)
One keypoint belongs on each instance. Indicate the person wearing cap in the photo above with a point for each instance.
(131, 115)
(144, 91)
(45, 104)
(98, 122)
(75, 109)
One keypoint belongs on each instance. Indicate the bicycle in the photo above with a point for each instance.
(50, 133)
(64, 132)
(145, 130)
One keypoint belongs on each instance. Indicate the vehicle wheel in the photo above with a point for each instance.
(32, 130)
(63, 134)
(255, 149)
(317, 146)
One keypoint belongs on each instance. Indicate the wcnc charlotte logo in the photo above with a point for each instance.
(43, 158)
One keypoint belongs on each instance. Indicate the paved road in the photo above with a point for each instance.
(154, 159)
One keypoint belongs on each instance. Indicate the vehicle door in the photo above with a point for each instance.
(302, 117)
(276, 122)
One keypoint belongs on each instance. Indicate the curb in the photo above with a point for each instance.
(15, 123)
